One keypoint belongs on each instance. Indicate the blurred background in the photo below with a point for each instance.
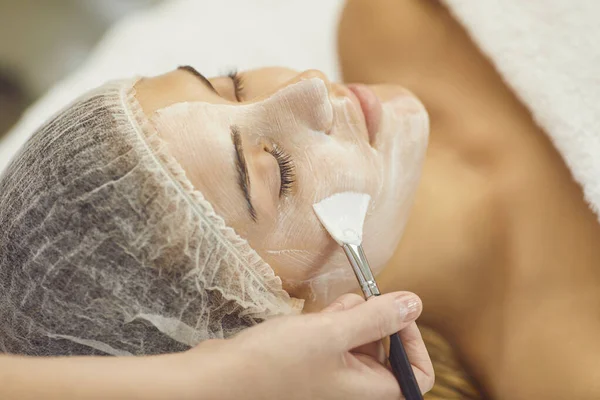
(43, 41)
(52, 51)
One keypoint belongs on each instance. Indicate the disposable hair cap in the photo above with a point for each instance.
(106, 248)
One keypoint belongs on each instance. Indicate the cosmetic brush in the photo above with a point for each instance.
(343, 216)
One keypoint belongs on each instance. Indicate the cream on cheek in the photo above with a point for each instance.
(389, 171)
(328, 144)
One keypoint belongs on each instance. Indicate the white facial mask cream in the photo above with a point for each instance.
(325, 139)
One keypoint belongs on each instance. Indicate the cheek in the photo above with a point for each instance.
(298, 247)
(302, 252)
(404, 155)
(300, 264)
(334, 167)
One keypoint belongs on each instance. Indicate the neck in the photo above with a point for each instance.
(506, 262)
(500, 245)
(500, 242)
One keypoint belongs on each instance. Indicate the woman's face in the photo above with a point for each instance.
(263, 146)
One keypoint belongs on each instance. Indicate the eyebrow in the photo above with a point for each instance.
(242, 170)
(198, 75)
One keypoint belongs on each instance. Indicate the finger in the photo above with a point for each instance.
(345, 302)
(418, 356)
(374, 350)
(419, 359)
(377, 318)
(371, 380)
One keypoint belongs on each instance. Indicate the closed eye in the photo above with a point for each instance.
(287, 169)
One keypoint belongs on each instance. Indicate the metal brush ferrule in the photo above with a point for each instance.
(361, 269)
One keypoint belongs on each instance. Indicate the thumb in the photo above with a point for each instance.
(377, 318)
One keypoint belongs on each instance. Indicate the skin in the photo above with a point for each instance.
(500, 236)
(336, 354)
(324, 133)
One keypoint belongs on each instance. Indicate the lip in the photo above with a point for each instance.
(370, 106)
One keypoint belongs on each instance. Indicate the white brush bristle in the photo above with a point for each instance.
(343, 215)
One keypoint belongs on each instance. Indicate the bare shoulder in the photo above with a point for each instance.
(374, 35)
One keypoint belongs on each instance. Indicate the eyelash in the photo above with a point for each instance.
(286, 169)
(286, 165)
(238, 84)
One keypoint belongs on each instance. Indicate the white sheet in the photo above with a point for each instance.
(548, 53)
(211, 35)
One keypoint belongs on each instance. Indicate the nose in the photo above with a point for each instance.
(265, 82)
(333, 89)
(305, 75)
(311, 103)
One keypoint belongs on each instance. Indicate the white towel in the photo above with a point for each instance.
(548, 51)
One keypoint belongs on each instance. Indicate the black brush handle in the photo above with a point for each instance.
(403, 370)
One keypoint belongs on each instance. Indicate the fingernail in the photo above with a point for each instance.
(409, 306)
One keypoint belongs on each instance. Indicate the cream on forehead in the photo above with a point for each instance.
(287, 117)
(305, 102)
(327, 140)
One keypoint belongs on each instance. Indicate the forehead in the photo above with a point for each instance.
(302, 104)
(177, 86)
